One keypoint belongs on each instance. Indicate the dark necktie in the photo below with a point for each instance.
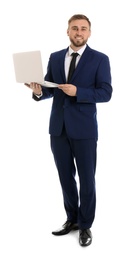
(72, 65)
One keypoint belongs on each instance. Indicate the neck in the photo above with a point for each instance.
(74, 48)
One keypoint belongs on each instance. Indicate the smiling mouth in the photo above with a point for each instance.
(78, 38)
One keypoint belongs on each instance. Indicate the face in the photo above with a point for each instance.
(78, 32)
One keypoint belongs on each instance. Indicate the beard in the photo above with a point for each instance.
(78, 43)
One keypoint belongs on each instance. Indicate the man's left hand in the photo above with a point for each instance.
(68, 89)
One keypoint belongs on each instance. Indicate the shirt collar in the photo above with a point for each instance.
(80, 51)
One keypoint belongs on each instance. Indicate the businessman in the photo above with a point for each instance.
(83, 79)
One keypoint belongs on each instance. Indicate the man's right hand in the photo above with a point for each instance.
(35, 87)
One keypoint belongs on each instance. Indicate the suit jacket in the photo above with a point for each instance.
(92, 78)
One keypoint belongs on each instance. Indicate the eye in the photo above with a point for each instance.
(75, 28)
(84, 29)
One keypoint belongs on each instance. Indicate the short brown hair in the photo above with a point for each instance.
(79, 17)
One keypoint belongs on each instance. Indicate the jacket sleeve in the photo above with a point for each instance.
(101, 89)
(47, 93)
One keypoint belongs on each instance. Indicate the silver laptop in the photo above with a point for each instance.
(28, 68)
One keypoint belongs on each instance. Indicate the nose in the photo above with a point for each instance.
(78, 31)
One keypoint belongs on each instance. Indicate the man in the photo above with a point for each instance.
(73, 123)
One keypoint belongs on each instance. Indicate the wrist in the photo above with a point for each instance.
(38, 95)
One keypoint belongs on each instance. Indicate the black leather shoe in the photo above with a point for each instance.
(66, 228)
(85, 237)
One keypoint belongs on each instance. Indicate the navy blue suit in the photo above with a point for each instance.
(74, 131)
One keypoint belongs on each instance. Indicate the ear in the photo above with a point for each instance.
(68, 32)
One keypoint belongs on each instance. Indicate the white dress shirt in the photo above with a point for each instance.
(68, 58)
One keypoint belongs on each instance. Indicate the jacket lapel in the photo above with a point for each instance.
(83, 60)
(62, 66)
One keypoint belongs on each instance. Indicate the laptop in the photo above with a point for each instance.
(28, 68)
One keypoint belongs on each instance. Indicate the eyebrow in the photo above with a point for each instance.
(83, 27)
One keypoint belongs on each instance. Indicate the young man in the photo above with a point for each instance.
(73, 123)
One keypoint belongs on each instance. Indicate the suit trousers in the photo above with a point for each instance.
(71, 156)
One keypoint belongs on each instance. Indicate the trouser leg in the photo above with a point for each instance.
(64, 161)
(85, 156)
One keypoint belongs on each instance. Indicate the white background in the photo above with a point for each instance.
(31, 204)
